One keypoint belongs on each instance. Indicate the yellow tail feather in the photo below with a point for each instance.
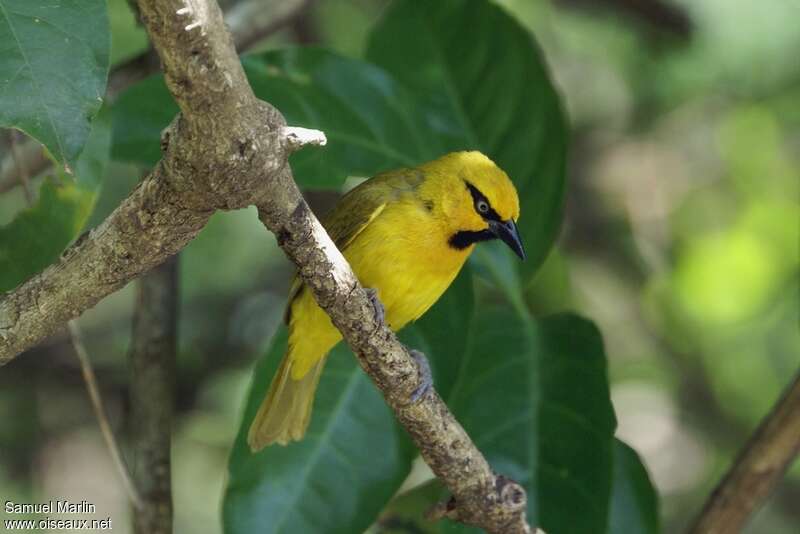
(286, 410)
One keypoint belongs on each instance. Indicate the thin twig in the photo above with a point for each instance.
(99, 410)
(758, 468)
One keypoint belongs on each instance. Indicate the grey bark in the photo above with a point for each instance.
(152, 391)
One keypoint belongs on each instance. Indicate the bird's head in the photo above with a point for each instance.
(478, 201)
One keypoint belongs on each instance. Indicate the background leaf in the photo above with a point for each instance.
(634, 503)
(372, 122)
(552, 429)
(339, 477)
(336, 468)
(54, 67)
(482, 84)
(35, 238)
(140, 114)
(633, 510)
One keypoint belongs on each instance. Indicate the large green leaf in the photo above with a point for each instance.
(370, 121)
(338, 478)
(634, 503)
(534, 397)
(375, 123)
(35, 238)
(481, 83)
(54, 67)
(532, 394)
(633, 508)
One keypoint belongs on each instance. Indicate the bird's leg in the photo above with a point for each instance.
(423, 367)
(425, 376)
(377, 305)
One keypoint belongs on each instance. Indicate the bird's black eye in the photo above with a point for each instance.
(482, 206)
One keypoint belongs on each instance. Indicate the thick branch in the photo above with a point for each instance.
(219, 154)
(228, 150)
(759, 467)
(147, 228)
(152, 395)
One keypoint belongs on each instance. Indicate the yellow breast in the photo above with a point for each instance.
(403, 254)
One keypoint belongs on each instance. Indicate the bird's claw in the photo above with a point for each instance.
(377, 306)
(425, 376)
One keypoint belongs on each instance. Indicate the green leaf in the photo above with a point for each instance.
(54, 67)
(372, 123)
(481, 83)
(140, 114)
(36, 237)
(534, 397)
(634, 503)
(338, 478)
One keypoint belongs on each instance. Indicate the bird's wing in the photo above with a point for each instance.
(352, 213)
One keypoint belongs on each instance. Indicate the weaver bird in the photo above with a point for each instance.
(406, 234)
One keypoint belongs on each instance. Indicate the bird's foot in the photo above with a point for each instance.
(425, 376)
(377, 305)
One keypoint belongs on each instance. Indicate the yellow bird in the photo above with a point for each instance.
(406, 234)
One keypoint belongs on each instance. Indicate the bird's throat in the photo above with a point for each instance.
(465, 238)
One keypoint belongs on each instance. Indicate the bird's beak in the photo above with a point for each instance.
(508, 232)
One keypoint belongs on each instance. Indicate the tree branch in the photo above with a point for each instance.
(227, 150)
(659, 15)
(152, 392)
(250, 22)
(759, 467)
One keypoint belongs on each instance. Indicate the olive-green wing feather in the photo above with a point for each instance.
(356, 209)
(364, 203)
